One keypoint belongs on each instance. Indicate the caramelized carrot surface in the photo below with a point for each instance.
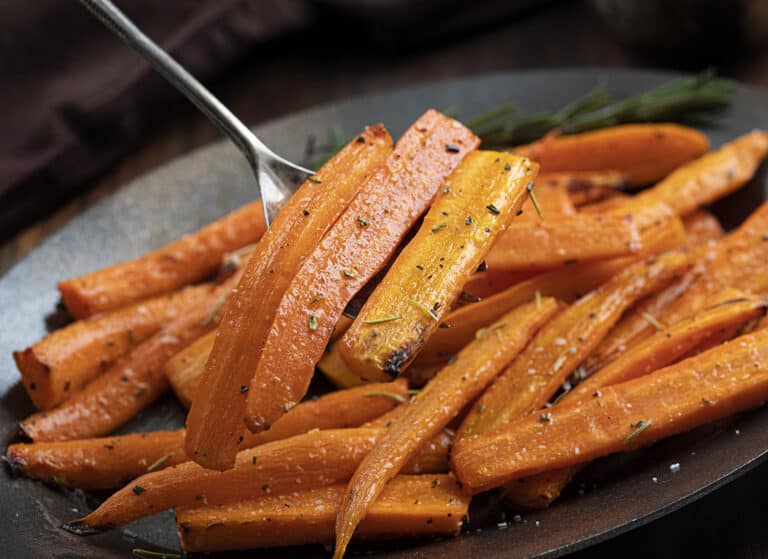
(435, 406)
(709, 177)
(583, 187)
(476, 204)
(58, 365)
(531, 379)
(725, 380)
(315, 459)
(215, 420)
(644, 153)
(103, 463)
(409, 507)
(190, 259)
(660, 350)
(356, 247)
(132, 383)
(564, 240)
(701, 227)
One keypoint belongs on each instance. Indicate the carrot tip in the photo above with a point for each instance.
(81, 528)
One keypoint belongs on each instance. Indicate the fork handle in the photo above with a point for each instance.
(185, 82)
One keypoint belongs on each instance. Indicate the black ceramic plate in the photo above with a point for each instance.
(612, 496)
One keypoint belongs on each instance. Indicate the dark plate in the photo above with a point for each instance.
(613, 495)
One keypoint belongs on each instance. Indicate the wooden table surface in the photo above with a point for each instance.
(304, 71)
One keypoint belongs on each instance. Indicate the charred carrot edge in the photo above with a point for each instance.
(435, 406)
(701, 227)
(622, 417)
(564, 240)
(190, 259)
(659, 351)
(314, 459)
(185, 369)
(644, 153)
(58, 365)
(356, 247)
(94, 464)
(583, 187)
(477, 203)
(566, 285)
(558, 348)
(133, 382)
(410, 507)
(711, 176)
(109, 462)
(215, 419)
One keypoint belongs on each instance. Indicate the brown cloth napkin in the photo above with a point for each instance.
(74, 99)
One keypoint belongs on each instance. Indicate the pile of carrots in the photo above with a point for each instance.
(495, 282)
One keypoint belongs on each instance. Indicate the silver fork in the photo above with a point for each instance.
(276, 177)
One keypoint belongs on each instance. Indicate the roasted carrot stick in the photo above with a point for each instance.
(109, 462)
(567, 284)
(185, 369)
(701, 227)
(409, 507)
(215, 420)
(552, 197)
(93, 464)
(727, 379)
(558, 348)
(435, 406)
(553, 242)
(190, 259)
(658, 351)
(133, 382)
(64, 361)
(315, 459)
(709, 177)
(583, 187)
(356, 247)
(477, 203)
(644, 153)
(490, 282)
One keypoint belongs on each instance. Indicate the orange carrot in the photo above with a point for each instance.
(215, 420)
(531, 379)
(435, 406)
(133, 382)
(315, 459)
(64, 361)
(701, 227)
(357, 246)
(94, 464)
(553, 198)
(553, 242)
(644, 153)
(583, 187)
(709, 177)
(477, 203)
(410, 506)
(190, 259)
(725, 380)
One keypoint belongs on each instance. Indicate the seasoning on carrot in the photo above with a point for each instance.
(435, 406)
(215, 420)
(348, 256)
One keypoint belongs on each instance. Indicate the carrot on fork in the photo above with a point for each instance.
(435, 406)
(190, 259)
(643, 153)
(476, 204)
(133, 382)
(727, 379)
(314, 459)
(215, 419)
(558, 348)
(355, 248)
(409, 507)
(61, 363)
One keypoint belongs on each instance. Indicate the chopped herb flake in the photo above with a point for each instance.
(381, 320)
(362, 222)
(639, 427)
(396, 397)
(313, 322)
(439, 226)
(425, 309)
(534, 201)
(493, 209)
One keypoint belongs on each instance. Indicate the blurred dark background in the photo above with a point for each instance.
(83, 114)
